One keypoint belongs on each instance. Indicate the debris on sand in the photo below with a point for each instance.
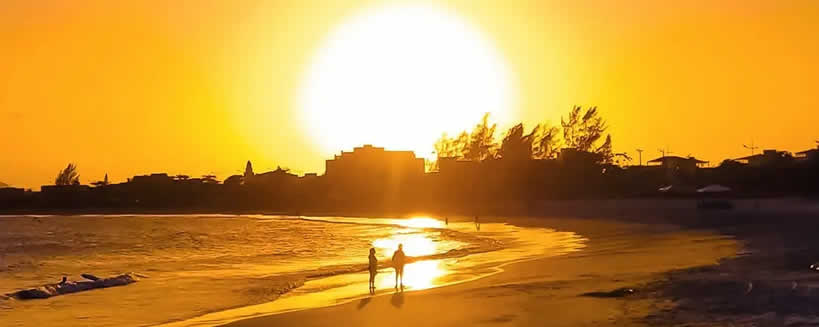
(67, 287)
(620, 292)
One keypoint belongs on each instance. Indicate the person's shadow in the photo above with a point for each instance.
(363, 303)
(397, 299)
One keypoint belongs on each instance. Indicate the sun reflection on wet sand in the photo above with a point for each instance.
(417, 275)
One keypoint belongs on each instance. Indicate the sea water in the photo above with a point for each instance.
(211, 269)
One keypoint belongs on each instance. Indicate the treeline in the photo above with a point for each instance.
(582, 130)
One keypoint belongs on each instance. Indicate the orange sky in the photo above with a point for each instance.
(196, 87)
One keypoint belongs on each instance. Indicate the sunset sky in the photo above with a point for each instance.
(199, 87)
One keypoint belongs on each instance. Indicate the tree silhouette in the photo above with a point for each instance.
(516, 145)
(582, 130)
(545, 142)
(447, 147)
(482, 144)
(68, 176)
(209, 179)
(248, 169)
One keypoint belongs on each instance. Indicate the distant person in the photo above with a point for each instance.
(398, 261)
(373, 269)
(446, 221)
(477, 224)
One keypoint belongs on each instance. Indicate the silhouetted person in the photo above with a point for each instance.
(398, 261)
(446, 221)
(373, 269)
(477, 224)
(64, 280)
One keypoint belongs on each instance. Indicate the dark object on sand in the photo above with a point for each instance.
(620, 292)
(66, 287)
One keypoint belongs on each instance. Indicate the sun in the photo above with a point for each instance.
(399, 76)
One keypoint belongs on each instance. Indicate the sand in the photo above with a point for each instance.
(545, 292)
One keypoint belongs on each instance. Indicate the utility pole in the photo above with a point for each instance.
(665, 151)
(640, 155)
(752, 147)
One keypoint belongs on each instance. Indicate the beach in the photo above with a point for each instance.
(612, 263)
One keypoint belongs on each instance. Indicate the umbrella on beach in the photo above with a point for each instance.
(714, 188)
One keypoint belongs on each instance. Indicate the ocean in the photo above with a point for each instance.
(204, 270)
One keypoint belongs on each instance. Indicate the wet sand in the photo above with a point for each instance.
(544, 291)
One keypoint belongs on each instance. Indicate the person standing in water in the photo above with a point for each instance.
(398, 261)
(477, 224)
(373, 269)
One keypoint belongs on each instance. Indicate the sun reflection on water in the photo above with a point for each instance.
(420, 222)
(414, 245)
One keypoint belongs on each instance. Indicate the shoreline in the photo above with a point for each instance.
(679, 207)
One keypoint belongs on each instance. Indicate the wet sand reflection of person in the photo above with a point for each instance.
(373, 268)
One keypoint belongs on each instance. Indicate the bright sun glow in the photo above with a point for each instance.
(399, 76)
(414, 245)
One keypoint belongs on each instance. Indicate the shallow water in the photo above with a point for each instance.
(206, 270)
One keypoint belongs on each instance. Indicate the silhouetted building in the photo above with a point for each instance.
(679, 164)
(152, 179)
(811, 155)
(451, 165)
(575, 157)
(764, 159)
(309, 176)
(10, 194)
(370, 161)
(275, 177)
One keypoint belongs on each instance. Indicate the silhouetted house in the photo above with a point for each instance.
(677, 164)
(765, 159)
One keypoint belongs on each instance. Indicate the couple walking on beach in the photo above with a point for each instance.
(398, 261)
